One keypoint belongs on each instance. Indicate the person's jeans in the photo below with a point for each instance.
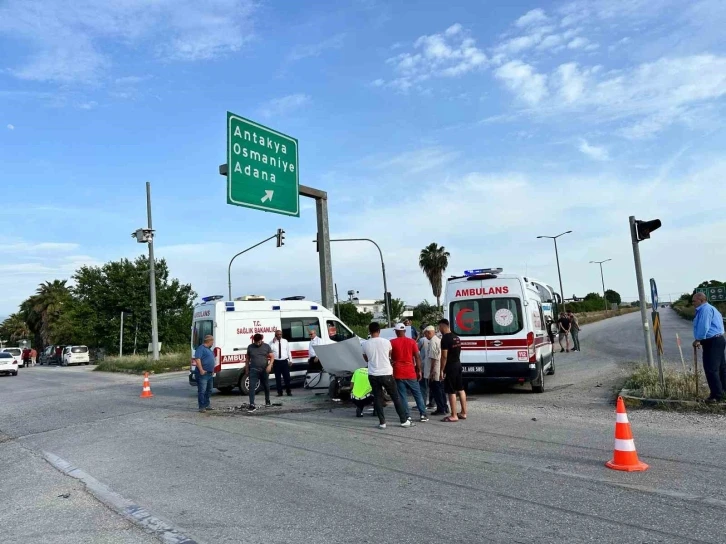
(566, 338)
(423, 384)
(437, 389)
(387, 383)
(204, 389)
(282, 374)
(411, 385)
(259, 375)
(714, 365)
(575, 339)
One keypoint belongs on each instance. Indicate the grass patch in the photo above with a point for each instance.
(138, 364)
(593, 317)
(644, 382)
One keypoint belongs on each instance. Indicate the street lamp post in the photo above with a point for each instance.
(602, 278)
(557, 257)
(383, 268)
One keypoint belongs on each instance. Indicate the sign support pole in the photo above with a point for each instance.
(641, 294)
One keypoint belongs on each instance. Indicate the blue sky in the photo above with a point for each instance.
(477, 125)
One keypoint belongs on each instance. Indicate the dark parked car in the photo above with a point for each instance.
(52, 355)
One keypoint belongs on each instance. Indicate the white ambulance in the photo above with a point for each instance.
(234, 323)
(503, 321)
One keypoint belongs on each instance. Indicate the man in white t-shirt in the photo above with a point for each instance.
(377, 353)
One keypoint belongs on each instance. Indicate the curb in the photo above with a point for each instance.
(631, 401)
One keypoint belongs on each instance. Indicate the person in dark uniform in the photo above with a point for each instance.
(451, 371)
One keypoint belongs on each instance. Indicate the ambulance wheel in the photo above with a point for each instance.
(538, 382)
(244, 385)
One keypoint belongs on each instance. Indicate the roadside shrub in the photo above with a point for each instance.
(644, 382)
(138, 364)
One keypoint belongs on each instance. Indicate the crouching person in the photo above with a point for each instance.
(361, 392)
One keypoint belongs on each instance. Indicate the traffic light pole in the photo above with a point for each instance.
(229, 268)
(641, 293)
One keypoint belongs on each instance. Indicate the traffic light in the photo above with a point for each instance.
(644, 228)
(280, 237)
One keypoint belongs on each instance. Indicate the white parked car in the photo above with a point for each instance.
(17, 354)
(75, 355)
(8, 364)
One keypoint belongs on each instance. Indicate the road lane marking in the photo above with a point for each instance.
(137, 514)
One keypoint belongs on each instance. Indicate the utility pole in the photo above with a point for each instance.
(121, 337)
(383, 268)
(557, 257)
(152, 281)
(640, 230)
(146, 236)
(602, 279)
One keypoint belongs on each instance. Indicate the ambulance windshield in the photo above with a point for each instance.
(486, 316)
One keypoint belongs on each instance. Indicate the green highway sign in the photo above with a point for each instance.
(262, 167)
(714, 294)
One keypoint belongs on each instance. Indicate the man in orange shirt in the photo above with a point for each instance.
(407, 370)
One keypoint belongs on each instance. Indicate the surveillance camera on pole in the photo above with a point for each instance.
(639, 231)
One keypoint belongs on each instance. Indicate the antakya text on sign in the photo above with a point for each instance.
(262, 167)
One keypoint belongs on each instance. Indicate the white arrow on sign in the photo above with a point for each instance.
(268, 196)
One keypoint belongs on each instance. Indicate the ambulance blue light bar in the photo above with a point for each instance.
(229, 306)
(275, 307)
(210, 299)
(313, 307)
(479, 271)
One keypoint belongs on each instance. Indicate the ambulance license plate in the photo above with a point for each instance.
(478, 369)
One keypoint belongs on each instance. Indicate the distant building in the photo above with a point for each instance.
(373, 306)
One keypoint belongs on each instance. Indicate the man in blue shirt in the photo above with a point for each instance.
(204, 361)
(708, 333)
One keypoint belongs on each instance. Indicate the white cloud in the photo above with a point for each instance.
(523, 81)
(88, 105)
(300, 52)
(578, 43)
(594, 152)
(282, 106)
(652, 95)
(451, 53)
(11, 127)
(531, 18)
(76, 41)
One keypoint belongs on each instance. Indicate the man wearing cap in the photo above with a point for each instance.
(708, 331)
(204, 371)
(407, 370)
(434, 373)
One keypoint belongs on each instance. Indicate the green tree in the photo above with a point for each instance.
(425, 313)
(14, 328)
(349, 314)
(434, 260)
(613, 296)
(102, 292)
(397, 309)
(51, 299)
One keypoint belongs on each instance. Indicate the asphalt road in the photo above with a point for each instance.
(522, 468)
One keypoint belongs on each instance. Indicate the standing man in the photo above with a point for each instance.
(414, 332)
(257, 367)
(204, 372)
(423, 348)
(313, 362)
(708, 333)
(377, 353)
(451, 371)
(434, 357)
(564, 326)
(33, 356)
(407, 370)
(574, 330)
(283, 362)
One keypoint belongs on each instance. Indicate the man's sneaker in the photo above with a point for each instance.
(381, 425)
(407, 423)
(268, 404)
(424, 419)
(562, 351)
(359, 412)
(409, 418)
(202, 410)
(711, 400)
(251, 408)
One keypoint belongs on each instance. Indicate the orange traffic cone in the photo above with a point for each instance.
(146, 390)
(625, 457)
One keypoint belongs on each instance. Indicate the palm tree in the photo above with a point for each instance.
(49, 301)
(14, 328)
(434, 260)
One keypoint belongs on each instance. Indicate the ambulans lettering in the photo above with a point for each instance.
(481, 291)
(203, 313)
